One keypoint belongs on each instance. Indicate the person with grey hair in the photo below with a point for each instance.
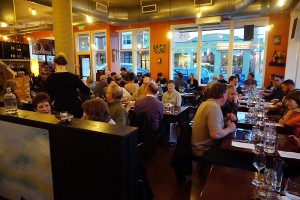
(209, 127)
(142, 90)
(114, 94)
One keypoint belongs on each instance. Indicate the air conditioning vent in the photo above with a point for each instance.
(101, 7)
(149, 8)
(202, 2)
(209, 20)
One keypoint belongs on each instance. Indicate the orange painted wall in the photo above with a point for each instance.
(281, 22)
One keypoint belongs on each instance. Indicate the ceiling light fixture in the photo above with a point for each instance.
(5, 38)
(28, 38)
(89, 19)
(33, 11)
(3, 24)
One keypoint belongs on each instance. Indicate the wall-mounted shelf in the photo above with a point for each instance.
(277, 64)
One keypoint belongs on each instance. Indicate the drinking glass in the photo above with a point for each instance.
(278, 165)
(259, 163)
(269, 184)
(292, 189)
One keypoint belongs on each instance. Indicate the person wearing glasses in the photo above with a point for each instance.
(209, 127)
(276, 94)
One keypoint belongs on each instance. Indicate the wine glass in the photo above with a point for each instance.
(259, 163)
(292, 188)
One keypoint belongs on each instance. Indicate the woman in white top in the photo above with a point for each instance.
(96, 110)
(172, 96)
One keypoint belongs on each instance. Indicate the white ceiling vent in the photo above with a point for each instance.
(202, 2)
(209, 20)
(101, 7)
(149, 8)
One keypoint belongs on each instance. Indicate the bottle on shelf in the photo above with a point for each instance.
(274, 56)
(10, 102)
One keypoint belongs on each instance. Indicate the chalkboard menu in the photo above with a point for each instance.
(10, 50)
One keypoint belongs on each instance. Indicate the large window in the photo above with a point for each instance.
(99, 50)
(185, 51)
(134, 50)
(218, 55)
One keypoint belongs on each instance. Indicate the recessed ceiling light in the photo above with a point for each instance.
(281, 3)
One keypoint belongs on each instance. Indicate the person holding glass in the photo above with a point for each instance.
(292, 117)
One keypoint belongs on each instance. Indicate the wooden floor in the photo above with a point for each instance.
(163, 181)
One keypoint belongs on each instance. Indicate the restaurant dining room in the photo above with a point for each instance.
(149, 99)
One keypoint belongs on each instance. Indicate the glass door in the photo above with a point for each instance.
(85, 67)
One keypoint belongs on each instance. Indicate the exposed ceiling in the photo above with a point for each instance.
(129, 11)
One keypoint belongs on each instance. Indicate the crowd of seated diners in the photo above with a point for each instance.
(115, 94)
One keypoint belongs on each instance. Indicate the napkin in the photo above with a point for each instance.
(287, 154)
(242, 145)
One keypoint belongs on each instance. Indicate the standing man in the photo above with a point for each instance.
(209, 127)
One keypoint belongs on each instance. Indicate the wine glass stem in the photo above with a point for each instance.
(258, 175)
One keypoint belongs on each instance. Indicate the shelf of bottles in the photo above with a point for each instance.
(14, 51)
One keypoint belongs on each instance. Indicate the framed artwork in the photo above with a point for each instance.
(277, 39)
(159, 48)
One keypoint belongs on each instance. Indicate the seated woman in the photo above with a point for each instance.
(41, 103)
(292, 117)
(96, 110)
(193, 83)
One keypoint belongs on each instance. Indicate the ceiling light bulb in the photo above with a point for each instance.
(3, 24)
(5, 37)
(199, 14)
(89, 19)
(33, 11)
(281, 3)
(28, 38)
(170, 34)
